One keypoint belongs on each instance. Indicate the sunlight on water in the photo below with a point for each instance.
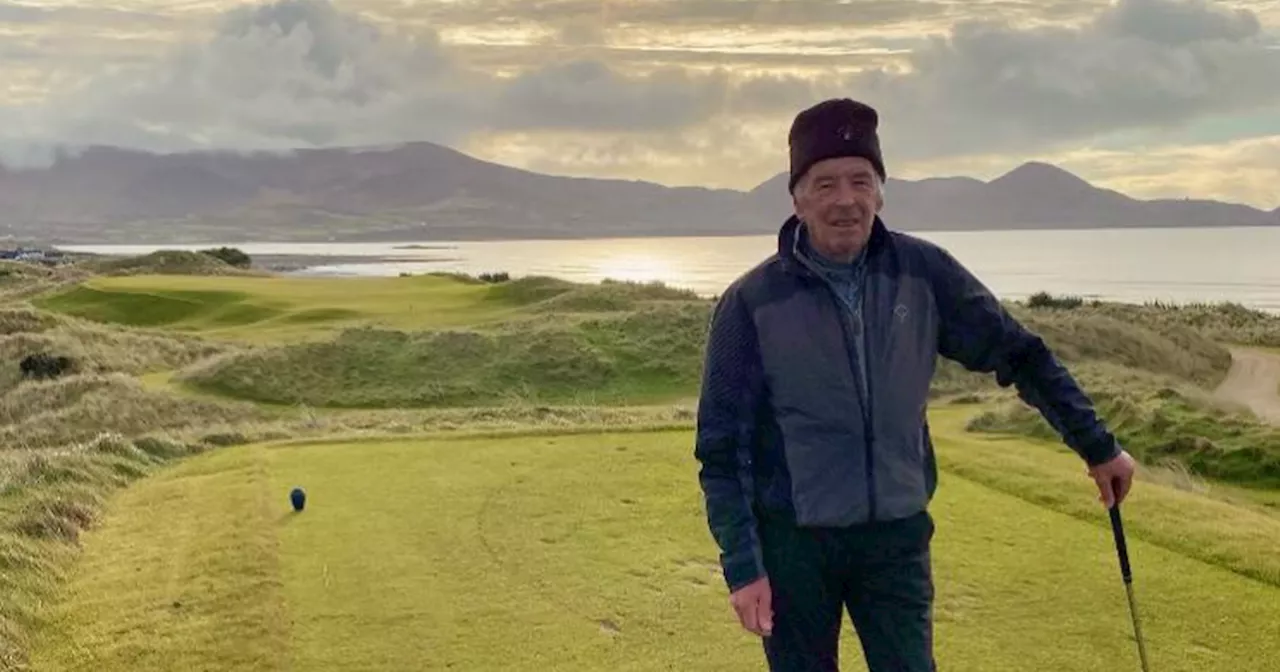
(1174, 265)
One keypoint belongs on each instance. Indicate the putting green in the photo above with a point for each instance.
(267, 309)
(584, 552)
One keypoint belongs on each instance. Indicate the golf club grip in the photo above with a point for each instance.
(1117, 527)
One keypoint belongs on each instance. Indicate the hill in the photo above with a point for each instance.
(422, 191)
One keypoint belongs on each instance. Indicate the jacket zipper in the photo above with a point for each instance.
(861, 382)
(864, 399)
(862, 373)
(869, 410)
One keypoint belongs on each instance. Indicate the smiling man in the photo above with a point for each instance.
(816, 461)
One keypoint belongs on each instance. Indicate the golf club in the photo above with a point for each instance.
(1117, 527)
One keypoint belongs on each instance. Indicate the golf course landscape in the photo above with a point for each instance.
(499, 475)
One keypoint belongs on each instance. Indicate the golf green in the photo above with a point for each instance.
(582, 552)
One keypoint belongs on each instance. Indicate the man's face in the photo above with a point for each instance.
(838, 200)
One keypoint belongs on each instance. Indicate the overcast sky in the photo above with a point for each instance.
(1151, 97)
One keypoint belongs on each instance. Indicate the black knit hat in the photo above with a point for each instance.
(832, 128)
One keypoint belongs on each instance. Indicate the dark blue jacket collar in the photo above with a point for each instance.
(789, 238)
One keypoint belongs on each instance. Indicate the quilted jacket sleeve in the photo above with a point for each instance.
(730, 394)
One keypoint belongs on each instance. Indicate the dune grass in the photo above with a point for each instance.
(95, 349)
(607, 344)
(642, 356)
(1160, 423)
(1224, 322)
(167, 262)
(467, 554)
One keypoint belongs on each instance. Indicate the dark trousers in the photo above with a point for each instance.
(880, 573)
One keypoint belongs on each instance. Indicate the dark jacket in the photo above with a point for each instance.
(783, 428)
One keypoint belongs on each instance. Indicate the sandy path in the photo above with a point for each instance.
(1254, 381)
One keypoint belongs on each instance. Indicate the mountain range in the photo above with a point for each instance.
(423, 191)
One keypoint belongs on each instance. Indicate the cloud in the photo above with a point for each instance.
(292, 73)
(19, 13)
(1244, 171)
(1140, 63)
(681, 13)
(589, 96)
(300, 73)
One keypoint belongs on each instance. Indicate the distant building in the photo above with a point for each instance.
(31, 254)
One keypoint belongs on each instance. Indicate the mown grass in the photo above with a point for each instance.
(47, 499)
(590, 552)
(1169, 508)
(276, 309)
(197, 548)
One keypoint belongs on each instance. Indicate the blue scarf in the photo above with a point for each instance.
(846, 279)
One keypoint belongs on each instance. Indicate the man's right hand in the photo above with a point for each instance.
(754, 604)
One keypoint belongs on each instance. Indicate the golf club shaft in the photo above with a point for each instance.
(1126, 572)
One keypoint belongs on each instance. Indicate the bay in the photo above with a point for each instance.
(1240, 265)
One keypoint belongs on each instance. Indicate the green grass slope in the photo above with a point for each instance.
(198, 548)
(646, 355)
(1160, 424)
(612, 344)
(167, 262)
(590, 552)
(274, 309)
(95, 349)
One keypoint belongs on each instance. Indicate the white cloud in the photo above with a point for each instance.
(1140, 63)
(300, 73)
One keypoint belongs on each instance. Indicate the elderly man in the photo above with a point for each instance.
(816, 461)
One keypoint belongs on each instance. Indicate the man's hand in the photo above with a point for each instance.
(1114, 478)
(754, 604)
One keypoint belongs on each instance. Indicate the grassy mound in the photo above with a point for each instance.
(93, 349)
(1222, 322)
(1170, 349)
(612, 343)
(293, 309)
(22, 280)
(26, 321)
(166, 262)
(650, 354)
(156, 308)
(1164, 425)
(613, 295)
(77, 408)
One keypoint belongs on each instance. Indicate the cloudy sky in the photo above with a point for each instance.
(1151, 97)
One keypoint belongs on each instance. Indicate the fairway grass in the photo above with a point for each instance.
(274, 309)
(591, 552)
(184, 577)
